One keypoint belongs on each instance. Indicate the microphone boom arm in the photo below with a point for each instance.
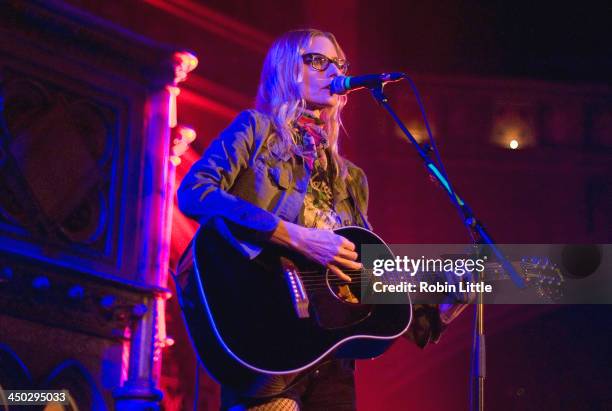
(468, 216)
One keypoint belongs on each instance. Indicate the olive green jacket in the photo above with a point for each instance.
(240, 180)
(241, 187)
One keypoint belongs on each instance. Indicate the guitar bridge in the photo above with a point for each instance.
(297, 292)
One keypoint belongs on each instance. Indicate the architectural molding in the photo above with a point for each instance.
(215, 22)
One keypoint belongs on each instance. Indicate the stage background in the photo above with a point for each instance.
(488, 73)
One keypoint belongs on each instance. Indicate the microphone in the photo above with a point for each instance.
(342, 85)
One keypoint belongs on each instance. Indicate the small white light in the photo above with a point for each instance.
(514, 144)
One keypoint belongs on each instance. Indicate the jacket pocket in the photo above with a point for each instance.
(280, 175)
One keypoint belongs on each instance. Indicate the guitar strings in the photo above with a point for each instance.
(317, 273)
(314, 280)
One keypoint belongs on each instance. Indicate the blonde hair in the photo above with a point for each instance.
(279, 93)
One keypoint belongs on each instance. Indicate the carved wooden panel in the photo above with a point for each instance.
(84, 147)
(59, 149)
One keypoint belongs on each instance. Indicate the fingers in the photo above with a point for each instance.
(347, 244)
(348, 254)
(347, 249)
(339, 273)
(346, 263)
(346, 258)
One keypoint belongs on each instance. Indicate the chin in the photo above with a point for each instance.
(325, 103)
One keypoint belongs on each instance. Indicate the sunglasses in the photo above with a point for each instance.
(319, 62)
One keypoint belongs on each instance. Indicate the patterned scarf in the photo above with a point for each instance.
(314, 139)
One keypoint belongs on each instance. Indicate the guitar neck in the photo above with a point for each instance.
(493, 271)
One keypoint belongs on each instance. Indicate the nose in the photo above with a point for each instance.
(333, 70)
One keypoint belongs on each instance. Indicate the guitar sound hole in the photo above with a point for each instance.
(345, 292)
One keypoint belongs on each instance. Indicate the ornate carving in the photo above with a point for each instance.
(66, 299)
(58, 149)
(70, 375)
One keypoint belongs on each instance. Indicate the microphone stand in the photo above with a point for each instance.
(475, 226)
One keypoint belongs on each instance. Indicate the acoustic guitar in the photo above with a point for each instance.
(257, 324)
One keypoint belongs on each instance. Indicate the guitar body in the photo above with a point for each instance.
(255, 329)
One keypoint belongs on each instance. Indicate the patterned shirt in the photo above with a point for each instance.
(318, 210)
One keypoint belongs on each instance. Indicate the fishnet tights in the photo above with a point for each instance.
(277, 404)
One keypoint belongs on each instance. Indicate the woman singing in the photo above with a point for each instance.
(275, 176)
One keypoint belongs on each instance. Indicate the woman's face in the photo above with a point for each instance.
(315, 84)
